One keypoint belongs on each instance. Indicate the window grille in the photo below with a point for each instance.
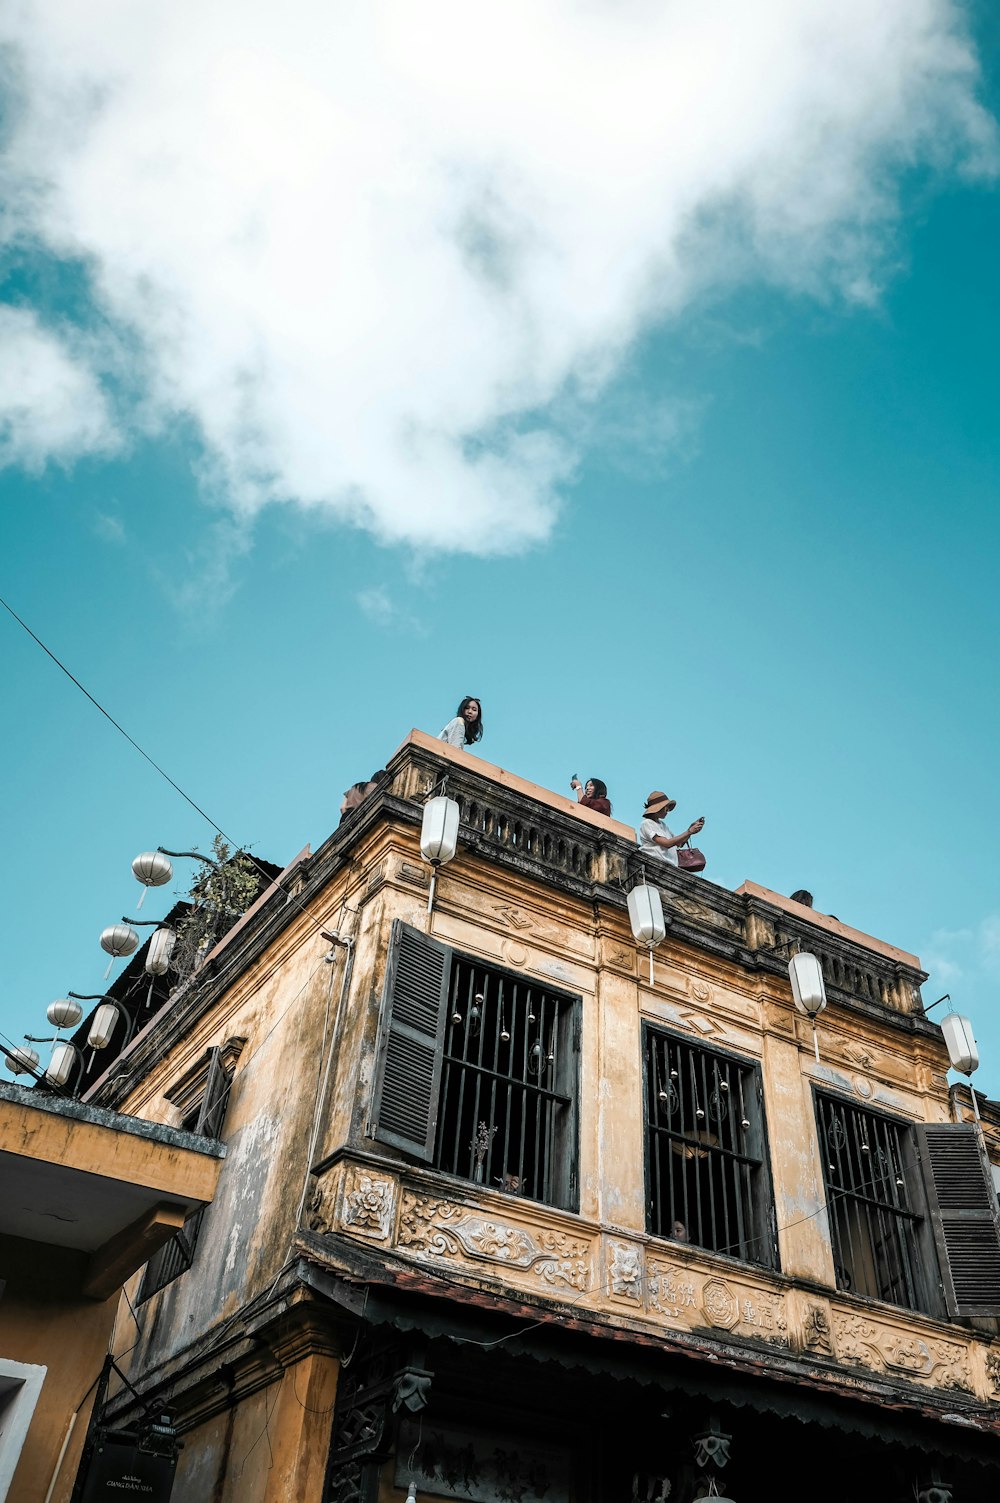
(706, 1157)
(871, 1195)
(177, 1254)
(502, 1116)
(477, 1071)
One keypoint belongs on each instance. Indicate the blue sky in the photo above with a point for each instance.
(730, 531)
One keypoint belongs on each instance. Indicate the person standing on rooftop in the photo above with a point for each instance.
(467, 726)
(592, 795)
(654, 837)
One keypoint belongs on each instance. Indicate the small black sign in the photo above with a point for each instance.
(126, 1473)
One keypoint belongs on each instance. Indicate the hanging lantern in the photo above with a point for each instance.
(22, 1061)
(152, 869)
(645, 913)
(65, 1013)
(118, 940)
(161, 947)
(439, 830)
(808, 989)
(60, 1067)
(102, 1025)
(963, 1051)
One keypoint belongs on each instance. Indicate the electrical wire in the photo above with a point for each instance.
(271, 881)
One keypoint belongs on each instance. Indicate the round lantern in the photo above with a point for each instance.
(152, 869)
(808, 989)
(438, 836)
(60, 1066)
(65, 1013)
(161, 947)
(119, 939)
(22, 1061)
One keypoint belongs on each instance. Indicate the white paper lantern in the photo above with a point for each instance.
(22, 1061)
(161, 947)
(152, 869)
(65, 1013)
(119, 939)
(439, 830)
(808, 990)
(60, 1066)
(103, 1025)
(963, 1052)
(645, 913)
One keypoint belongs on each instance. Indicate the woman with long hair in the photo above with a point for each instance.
(593, 794)
(467, 726)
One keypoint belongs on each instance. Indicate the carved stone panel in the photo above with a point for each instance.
(684, 1296)
(368, 1204)
(441, 1229)
(870, 1343)
(625, 1271)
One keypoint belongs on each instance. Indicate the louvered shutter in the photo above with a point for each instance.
(411, 1039)
(963, 1213)
(212, 1110)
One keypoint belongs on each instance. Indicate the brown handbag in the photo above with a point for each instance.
(689, 858)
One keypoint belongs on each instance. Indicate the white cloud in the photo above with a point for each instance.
(374, 251)
(970, 955)
(51, 406)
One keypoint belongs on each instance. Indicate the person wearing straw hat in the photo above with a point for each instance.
(654, 837)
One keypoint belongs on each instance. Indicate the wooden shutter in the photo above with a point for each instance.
(963, 1212)
(212, 1111)
(411, 1039)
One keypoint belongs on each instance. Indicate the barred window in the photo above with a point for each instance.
(706, 1158)
(477, 1071)
(874, 1202)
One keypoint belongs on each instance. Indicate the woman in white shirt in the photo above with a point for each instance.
(467, 725)
(654, 837)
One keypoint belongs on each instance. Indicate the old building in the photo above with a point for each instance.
(501, 1218)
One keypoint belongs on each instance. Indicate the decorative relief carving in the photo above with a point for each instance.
(368, 1203)
(320, 1209)
(512, 917)
(943, 1363)
(620, 958)
(625, 1272)
(859, 1054)
(720, 1304)
(445, 1230)
(410, 872)
(514, 954)
(816, 1331)
(993, 1370)
(700, 990)
(680, 1294)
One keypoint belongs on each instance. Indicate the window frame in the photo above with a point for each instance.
(407, 1105)
(921, 1257)
(761, 1191)
(204, 1120)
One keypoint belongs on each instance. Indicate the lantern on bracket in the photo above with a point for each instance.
(152, 869)
(22, 1061)
(65, 1013)
(963, 1051)
(66, 1058)
(438, 837)
(118, 940)
(645, 913)
(808, 989)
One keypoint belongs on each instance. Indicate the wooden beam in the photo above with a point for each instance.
(111, 1265)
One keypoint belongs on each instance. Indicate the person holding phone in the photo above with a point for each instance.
(591, 795)
(654, 837)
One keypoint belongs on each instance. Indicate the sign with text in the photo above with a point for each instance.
(126, 1473)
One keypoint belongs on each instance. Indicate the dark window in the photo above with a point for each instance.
(873, 1204)
(705, 1150)
(913, 1216)
(177, 1255)
(477, 1071)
